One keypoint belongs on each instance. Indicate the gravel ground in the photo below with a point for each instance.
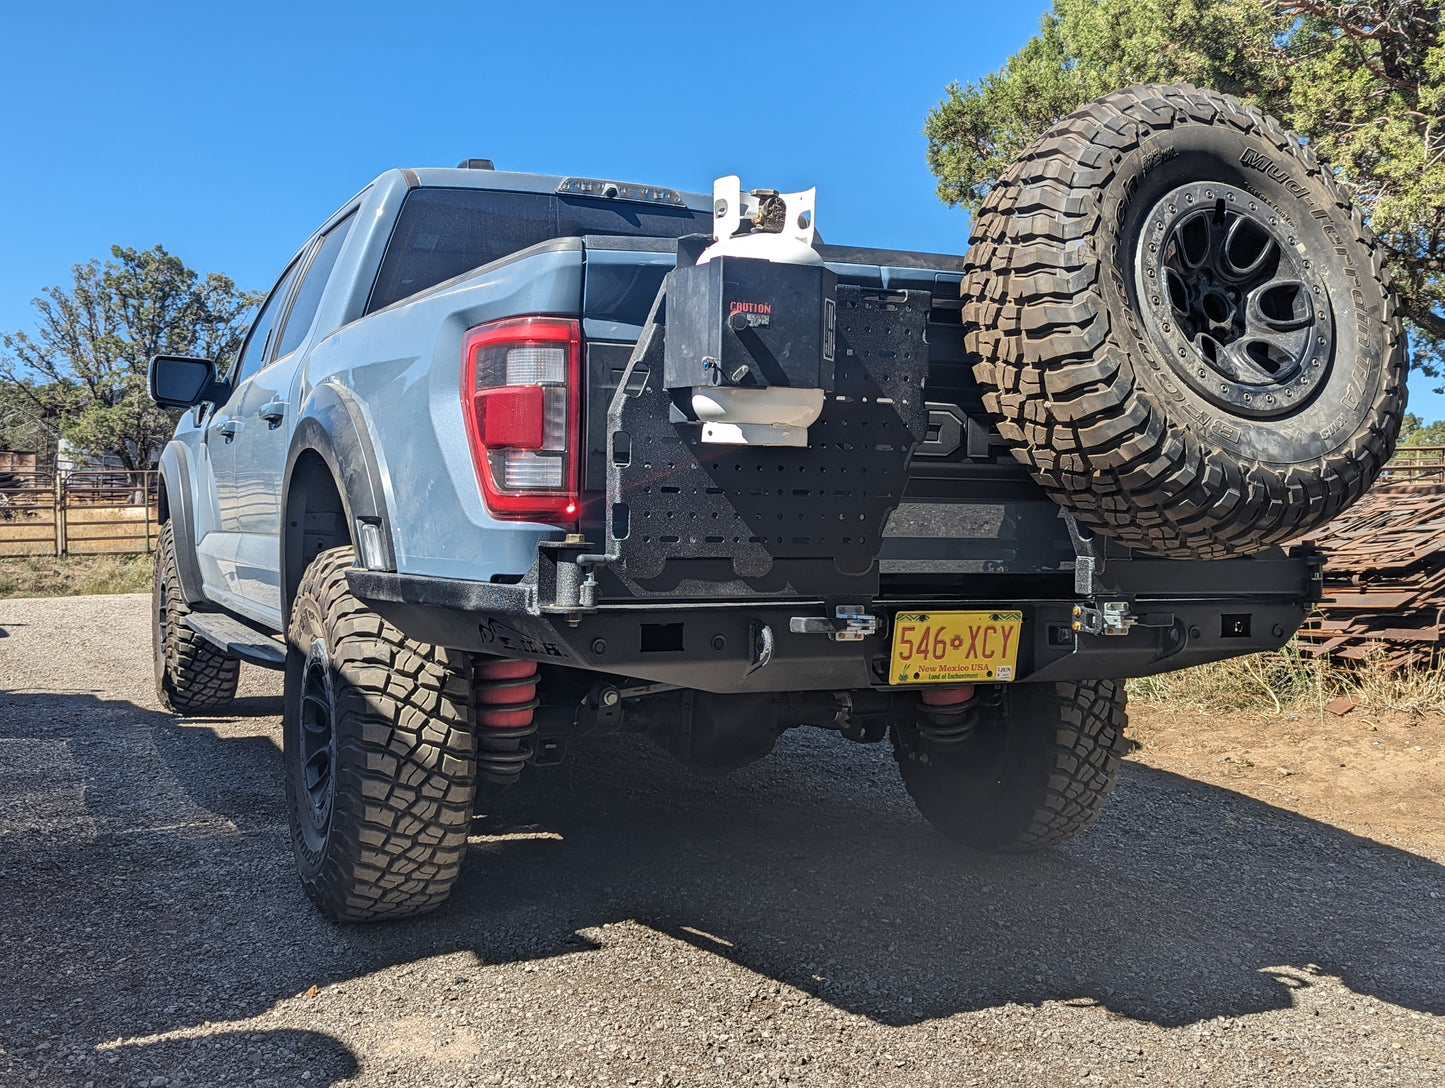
(620, 921)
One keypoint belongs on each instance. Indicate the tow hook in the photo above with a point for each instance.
(852, 623)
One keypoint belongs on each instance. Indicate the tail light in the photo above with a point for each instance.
(521, 384)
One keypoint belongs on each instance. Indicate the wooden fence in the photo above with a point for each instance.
(81, 512)
(1417, 463)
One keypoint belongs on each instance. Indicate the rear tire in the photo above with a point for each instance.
(380, 754)
(1037, 772)
(1183, 326)
(193, 675)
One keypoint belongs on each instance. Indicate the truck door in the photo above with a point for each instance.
(263, 409)
(218, 544)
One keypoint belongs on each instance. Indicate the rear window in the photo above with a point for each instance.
(442, 233)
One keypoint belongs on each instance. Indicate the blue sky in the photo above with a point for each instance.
(227, 132)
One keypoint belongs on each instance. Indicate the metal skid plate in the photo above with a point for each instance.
(690, 518)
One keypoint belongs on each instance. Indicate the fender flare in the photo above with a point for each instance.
(333, 425)
(176, 475)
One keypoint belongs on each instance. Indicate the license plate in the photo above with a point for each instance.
(955, 647)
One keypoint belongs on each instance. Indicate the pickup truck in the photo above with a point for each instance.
(508, 458)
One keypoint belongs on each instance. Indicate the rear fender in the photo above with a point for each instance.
(332, 426)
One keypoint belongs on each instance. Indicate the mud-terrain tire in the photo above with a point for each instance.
(193, 676)
(379, 751)
(1246, 401)
(1038, 771)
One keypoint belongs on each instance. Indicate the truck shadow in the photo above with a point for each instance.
(148, 888)
(1185, 902)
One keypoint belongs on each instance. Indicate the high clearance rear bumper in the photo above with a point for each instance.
(729, 646)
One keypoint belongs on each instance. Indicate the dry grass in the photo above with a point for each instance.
(1275, 683)
(74, 575)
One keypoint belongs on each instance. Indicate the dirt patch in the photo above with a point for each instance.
(1378, 775)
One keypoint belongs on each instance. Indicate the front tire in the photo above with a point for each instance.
(1037, 772)
(380, 754)
(193, 676)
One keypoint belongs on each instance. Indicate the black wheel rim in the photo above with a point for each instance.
(317, 742)
(1229, 297)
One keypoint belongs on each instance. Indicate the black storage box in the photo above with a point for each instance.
(737, 321)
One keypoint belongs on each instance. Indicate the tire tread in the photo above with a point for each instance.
(406, 756)
(199, 677)
(1060, 766)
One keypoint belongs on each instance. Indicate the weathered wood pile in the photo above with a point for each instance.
(1384, 578)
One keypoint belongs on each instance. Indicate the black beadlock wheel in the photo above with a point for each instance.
(193, 676)
(380, 754)
(1183, 326)
(1038, 771)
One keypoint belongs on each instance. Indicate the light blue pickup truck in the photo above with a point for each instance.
(508, 458)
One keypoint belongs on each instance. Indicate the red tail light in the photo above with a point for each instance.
(521, 385)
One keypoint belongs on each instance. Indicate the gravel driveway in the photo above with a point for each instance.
(620, 921)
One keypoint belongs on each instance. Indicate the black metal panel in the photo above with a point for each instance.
(606, 363)
(1271, 571)
(792, 520)
(949, 539)
(894, 258)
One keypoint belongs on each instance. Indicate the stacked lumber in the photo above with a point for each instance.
(1384, 590)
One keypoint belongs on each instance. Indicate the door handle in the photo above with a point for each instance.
(273, 411)
(230, 428)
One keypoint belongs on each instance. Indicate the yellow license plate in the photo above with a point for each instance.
(955, 647)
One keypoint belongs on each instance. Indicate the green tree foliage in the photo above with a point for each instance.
(1362, 81)
(1416, 432)
(82, 373)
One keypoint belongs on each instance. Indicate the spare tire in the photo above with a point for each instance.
(1182, 325)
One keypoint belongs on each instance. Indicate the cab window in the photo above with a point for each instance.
(313, 283)
(442, 233)
(260, 337)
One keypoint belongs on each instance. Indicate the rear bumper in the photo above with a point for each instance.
(740, 647)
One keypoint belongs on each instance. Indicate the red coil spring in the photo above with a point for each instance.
(949, 696)
(505, 692)
(946, 715)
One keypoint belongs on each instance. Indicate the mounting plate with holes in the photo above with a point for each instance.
(819, 509)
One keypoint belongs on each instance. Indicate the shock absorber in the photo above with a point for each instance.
(505, 695)
(946, 715)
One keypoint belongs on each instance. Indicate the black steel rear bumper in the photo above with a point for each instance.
(754, 645)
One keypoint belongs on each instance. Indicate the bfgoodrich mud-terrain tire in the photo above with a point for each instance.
(193, 676)
(1038, 771)
(380, 754)
(1182, 325)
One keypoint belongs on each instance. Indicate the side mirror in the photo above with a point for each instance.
(176, 381)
